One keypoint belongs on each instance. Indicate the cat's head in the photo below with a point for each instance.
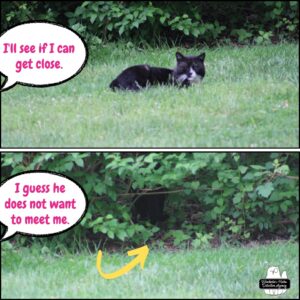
(189, 69)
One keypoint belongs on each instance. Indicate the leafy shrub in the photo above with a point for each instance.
(174, 21)
(141, 21)
(188, 21)
(16, 12)
(221, 196)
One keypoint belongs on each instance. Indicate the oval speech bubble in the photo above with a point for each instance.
(40, 203)
(40, 54)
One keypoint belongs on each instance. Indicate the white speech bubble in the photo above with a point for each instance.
(40, 203)
(40, 54)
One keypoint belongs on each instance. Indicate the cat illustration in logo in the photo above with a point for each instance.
(273, 273)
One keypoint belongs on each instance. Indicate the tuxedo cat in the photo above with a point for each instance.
(189, 69)
(150, 207)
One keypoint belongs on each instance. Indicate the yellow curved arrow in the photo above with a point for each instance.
(141, 253)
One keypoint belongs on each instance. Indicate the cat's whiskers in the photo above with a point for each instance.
(181, 78)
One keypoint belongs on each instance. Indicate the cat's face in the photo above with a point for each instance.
(189, 69)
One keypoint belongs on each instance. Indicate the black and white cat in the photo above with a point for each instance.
(189, 69)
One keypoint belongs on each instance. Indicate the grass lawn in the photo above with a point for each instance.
(249, 98)
(212, 273)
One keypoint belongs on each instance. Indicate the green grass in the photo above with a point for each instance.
(249, 98)
(212, 273)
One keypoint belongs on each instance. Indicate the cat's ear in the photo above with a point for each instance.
(202, 56)
(179, 56)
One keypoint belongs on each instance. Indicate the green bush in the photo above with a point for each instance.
(187, 21)
(16, 12)
(212, 196)
(173, 21)
(142, 21)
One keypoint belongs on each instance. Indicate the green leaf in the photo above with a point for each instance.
(162, 19)
(68, 166)
(111, 234)
(196, 243)
(121, 235)
(110, 27)
(103, 229)
(236, 214)
(235, 179)
(294, 217)
(284, 170)
(130, 231)
(135, 24)
(243, 169)
(186, 31)
(121, 30)
(100, 188)
(248, 187)
(246, 235)
(257, 167)
(195, 185)
(195, 32)
(218, 210)
(79, 162)
(216, 185)
(259, 39)
(235, 228)
(112, 195)
(237, 198)
(284, 206)
(248, 176)
(97, 221)
(149, 158)
(93, 17)
(220, 201)
(265, 190)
